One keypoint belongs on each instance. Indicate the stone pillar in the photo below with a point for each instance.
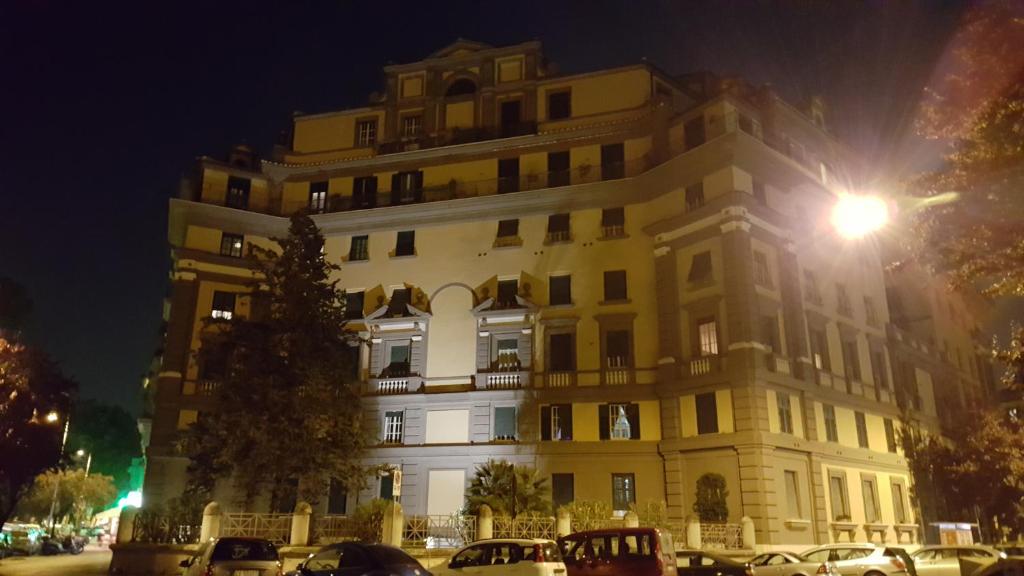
(484, 523)
(563, 522)
(126, 524)
(748, 533)
(300, 524)
(631, 520)
(394, 522)
(692, 533)
(211, 522)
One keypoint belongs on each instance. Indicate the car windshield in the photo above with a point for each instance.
(244, 550)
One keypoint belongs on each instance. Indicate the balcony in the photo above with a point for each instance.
(560, 379)
(701, 366)
(779, 364)
(617, 371)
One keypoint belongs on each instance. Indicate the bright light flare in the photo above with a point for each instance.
(856, 216)
(80, 453)
(52, 417)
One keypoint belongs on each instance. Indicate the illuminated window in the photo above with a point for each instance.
(366, 133)
(831, 428)
(762, 274)
(619, 421)
(223, 305)
(707, 336)
(393, 427)
(623, 491)
(862, 429)
(412, 126)
(231, 245)
(238, 193)
(819, 350)
(785, 413)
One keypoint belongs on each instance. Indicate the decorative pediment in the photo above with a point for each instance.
(460, 47)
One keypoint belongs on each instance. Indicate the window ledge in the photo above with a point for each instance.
(509, 242)
(602, 238)
(614, 302)
(394, 256)
(552, 242)
(797, 523)
(346, 260)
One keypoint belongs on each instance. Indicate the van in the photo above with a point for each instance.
(614, 551)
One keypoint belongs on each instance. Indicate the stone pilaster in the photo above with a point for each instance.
(758, 491)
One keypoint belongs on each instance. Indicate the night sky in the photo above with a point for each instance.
(105, 106)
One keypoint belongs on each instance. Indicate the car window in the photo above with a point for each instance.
(924, 555)
(694, 560)
(507, 553)
(324, 560)
(637, 545)
(550, 549)
(472, 556)
(852, 553)
(760, 560)
(777, 560)
(249, 550)
(973, 553)
(818, 556)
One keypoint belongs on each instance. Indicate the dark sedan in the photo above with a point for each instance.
(358, 559)
(701, 563)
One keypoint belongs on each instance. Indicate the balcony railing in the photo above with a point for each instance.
(617, 370)
(560, 379)
(392, 385)
(504, 381)
(701, 365)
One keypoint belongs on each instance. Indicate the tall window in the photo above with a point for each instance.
(872, 511)
(238, 193)
(563, 352)
(707, 337)
(359, 249)
(318, 197)
(851, 359)
(811, 290)
(785, 413)
(899, 502)
(843, 305)
(700, 268)
(231, 245)
(870, 314)
(770, 333)
(838, 497)
(412, 126)
(613, 222)
(337, 498)
(559, 173)
(366, 133)
(618, 421)
(407, 187)
(398, 305)
(354, 304)
(393, 427)
(556, 422)
(694, 132)
(507, 353)
(398, 359)
(508, 175)
(819, 350)
(613, 161)
(560, 290)
(890, 435)
(559, 105)
(223, 305)
(558, 228)
(695, 196)
(759, 193)
(364, 192)
(505, 423)
(793, 495)
(623, 491)
(831, 427)
(406, 243)
(862, 429)
(617, 348)
(878, 369)
(562, 490)
(615, 285)
(762, 274)
(707, 413)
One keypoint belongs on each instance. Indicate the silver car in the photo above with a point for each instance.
(864, 559)
(234, 557)
(953, 560)
(789, 564)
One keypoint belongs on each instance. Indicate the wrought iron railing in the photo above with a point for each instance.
(331, 528)
(525, 527)
(721, 535)
(274, 527)
(156, 529)
(439, 531)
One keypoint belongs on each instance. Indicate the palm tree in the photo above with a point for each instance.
(509, 490)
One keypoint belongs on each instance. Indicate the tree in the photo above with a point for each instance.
(77, 494)
(286, 417)
(710, 500)
(508, 489)
(31, 388)
(110, 435)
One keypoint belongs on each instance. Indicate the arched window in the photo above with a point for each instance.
(461, 87)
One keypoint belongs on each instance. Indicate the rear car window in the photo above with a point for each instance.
(244, 550)
(551, 552)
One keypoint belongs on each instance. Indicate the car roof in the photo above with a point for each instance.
(511, 541)
(603, 531)
(846, 545)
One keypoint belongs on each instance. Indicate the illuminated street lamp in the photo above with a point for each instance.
(88, 462)
(855, 216)
(52, 417)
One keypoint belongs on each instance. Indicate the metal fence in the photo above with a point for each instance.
(435, 531)
(525, 527)
(274, 527)
(154, 529)
(721, 535)
(334, 528)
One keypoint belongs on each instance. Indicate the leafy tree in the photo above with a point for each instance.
(1011, 357)
(287, 417)
(31, 387)
(77, 494)
(109, 434)
(508, 489)
(710, 500)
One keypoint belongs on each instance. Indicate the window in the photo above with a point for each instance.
(878, 369)
(359, 249)
(560, 290)
(393, 427)
(819, 350)
(506, 353)
(387, 487)
(407, 187)
(559, 105)
(623, 491)
(558, 169)
(843, 305)
(619, 421)
(398, 359)
(831, 428)
(562, 490)
(558, 228)
(507, 291)
(364, 192)
(406, 243)
(616, 348)
(223, 305)
(556, 422)
(508, 175)
(762, 274)
(511, 112)
(700, 268)
(231, 245)
(872, 512)
(366, 133)
(318, 197)
(862, 429)
(354, 304)
(238, 193)
(694, 132)
(785, 413)
(337, 499)
(695, 196)
(707, 337)
(759, 194)
(851, 359)
(398, 305)
(613, 222)
(505, 423)
(811, 291)
(614, 285)
(870, 315)
(707, 413)
(890, 435)
(508, 228)
(613, 161)
(563, 352)
(899, 502)
(793, 494)
(770, 333)
(412, 126)
(837, 495)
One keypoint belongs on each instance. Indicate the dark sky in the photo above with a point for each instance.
(105, 105)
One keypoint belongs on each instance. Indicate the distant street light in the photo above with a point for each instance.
(855, 216)
(52, 417)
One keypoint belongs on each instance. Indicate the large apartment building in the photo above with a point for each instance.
(624, 278)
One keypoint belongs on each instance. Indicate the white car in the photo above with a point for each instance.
(947, 560)
(234, 557)
(506, 557)
(789, 564)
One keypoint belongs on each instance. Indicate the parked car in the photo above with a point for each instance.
(864, 559)
(704, 563)
(24, 539)
(507, 557)
(947, 560)
(1012, 550)
(358, 559)
(789, 564)
(234, 557)
(633, 551)
(1005, 567)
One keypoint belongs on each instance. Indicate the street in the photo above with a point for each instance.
(92, 562)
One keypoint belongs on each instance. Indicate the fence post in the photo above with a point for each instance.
(563, 522)
(211, 522)
(484, 523)
(126, 524)
(692, 533)
(300, 524)
(631, 520)
(394, 522)
(747, 533)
